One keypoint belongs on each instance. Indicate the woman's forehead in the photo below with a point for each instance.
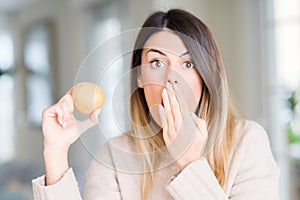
(166, 41)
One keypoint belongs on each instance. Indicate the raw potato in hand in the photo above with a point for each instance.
(87, 97)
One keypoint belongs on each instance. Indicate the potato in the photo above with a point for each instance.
(87, 97)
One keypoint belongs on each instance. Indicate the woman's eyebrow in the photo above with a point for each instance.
(157, 51)
(184, 54)
(162, 53)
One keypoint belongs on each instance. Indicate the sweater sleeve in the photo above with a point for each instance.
(255, 174)
(101, 182)
(196, 181)
(65, 188)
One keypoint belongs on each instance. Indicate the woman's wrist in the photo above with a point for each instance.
(55, 148)
(184, 163)
(56, 163)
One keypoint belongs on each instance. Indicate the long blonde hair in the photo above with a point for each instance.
(215, 105)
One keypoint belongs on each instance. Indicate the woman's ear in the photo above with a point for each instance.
(140, 81)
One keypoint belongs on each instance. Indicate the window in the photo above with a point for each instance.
(7, 95)
(287, 45)
(6, 51)
(287, 30)
(38, 62)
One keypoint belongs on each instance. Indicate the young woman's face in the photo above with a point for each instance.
(166, 59)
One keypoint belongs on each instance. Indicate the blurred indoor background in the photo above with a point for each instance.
(44, 42)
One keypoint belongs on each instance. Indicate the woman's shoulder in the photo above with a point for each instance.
(249, 130)
(253, 164)
(252, 136)
(250, 125)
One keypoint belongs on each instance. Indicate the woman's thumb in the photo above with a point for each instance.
(88, 123)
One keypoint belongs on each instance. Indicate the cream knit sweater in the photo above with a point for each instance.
(253, 175)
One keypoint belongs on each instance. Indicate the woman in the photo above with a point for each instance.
(203, 150)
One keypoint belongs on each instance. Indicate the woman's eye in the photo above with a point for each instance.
(188, 64)
(157, 64)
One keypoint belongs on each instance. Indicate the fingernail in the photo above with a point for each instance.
(161, 109)
(64, 124)
(169, 86)
(97, 112)
(164, 93)
(175, 87)
(60, 120)
(162, 115)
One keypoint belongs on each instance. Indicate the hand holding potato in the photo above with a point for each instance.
(61, 128)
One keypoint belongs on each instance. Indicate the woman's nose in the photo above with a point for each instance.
(172, 76)
(173, 81)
